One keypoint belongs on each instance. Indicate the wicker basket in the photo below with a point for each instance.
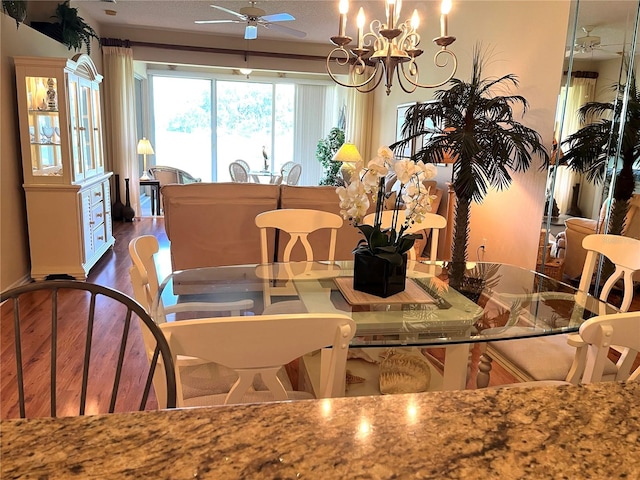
(554, 268)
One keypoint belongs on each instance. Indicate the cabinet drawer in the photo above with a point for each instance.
(97, 194)
(99, 236)
(97, 213)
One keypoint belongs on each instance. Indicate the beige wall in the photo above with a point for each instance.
(509, 220)
(526, 38)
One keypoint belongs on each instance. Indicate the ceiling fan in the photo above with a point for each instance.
(253, 17)
(591, 47)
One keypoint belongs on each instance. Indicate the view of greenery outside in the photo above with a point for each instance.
(182, 122)
(248, 116)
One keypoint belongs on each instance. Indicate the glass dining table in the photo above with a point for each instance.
(495, 302)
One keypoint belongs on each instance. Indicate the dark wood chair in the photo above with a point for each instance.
(99, 352)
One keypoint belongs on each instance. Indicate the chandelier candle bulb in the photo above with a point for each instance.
(415, 23)
(343, 7)
(444, 9)
(391, 4)
(360, 24)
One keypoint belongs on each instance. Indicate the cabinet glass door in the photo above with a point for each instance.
(78, 166)
(44, 126)
(85, 128)
(97, 133)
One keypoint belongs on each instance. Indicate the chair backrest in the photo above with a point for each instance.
(604, 331)
(298, 223)
(88, 348)
(143, 273)
(167, 175)
(244, 164)
(623, 252)
(262, 345)
(293, 177)
(431, 221)
(238, 172)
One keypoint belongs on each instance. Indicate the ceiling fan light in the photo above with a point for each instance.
(246, 71)
(251, 32)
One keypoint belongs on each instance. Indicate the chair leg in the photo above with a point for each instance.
(484, 368)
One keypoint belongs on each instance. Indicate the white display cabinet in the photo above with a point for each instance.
(66, 187)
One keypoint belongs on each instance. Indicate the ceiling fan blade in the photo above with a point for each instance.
(231, 12)
(216, 21)
(278, 17)
(287, 30)
(251, 32)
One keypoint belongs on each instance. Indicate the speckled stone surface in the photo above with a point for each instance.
(534, 433)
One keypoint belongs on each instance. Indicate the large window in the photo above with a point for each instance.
(202, 124)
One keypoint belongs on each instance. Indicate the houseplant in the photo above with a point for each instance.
(16, 9)
(70, 29)
(475, 127)
(325, 150)
(591, 149)
(380, 257)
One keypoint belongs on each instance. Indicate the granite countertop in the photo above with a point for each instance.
(543, 432)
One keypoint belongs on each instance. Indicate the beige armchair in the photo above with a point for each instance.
(569, 242)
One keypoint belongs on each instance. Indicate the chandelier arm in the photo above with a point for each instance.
(401, 83)
(343, 52)
(374, 86)
(437, 64)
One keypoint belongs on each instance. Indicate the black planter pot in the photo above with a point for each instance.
(376, 276)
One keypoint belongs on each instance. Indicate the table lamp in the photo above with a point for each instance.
(145, 148)
(349, 155)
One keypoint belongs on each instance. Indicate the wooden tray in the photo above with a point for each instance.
(411, 294)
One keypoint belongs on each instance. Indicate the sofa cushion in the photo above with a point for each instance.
(319, 198)
(211, 224)
(582, 225)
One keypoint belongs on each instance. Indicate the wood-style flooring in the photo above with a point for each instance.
(112, 271)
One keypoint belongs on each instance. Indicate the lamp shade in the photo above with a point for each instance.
(347, 153)
(144, 147)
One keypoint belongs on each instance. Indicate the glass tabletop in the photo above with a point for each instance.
(495, 302)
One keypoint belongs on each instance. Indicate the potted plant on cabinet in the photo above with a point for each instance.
(16, 9)
(70, 28)
(476, 128)
(591, 149)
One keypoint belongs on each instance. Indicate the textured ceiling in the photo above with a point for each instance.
(319, 19)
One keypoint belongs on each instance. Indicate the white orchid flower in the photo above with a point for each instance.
(404, 170)
(386, 154)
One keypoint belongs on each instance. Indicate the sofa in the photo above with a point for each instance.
(569, 242)
(212, 224)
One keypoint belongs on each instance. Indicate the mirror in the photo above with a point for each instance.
(601, 43)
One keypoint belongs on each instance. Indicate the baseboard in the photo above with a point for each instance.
(22, 281)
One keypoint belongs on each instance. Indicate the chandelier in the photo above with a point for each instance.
(388, 47)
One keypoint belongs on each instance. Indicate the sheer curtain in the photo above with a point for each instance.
(310, 126)
(120, 115)
(581, 91)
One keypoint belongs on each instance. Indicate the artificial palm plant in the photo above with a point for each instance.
(591, 149)
(476, 128)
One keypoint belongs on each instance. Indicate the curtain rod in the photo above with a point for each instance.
(223, 51)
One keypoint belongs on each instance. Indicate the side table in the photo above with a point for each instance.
(155, 194)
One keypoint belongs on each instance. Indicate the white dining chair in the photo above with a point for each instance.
(144, 281)
(261, 346)
(284, 173)
(254, 178)
(198, 375)
(238, 172)
(298, 223)
(562, 357)
(604, 331)
(293, 177)
(431, 221)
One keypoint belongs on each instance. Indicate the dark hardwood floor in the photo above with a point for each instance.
(112, 271)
